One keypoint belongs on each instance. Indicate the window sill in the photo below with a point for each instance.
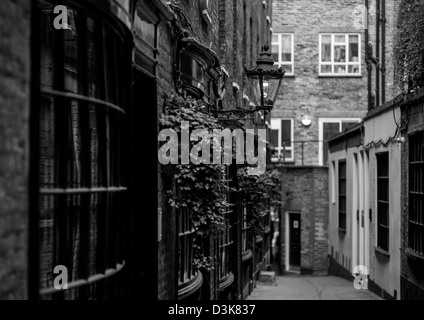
(382, 252)
(247, 255)
(225, 282)
(340, 76)
(189, 288)
(414, 256)
(282, 162)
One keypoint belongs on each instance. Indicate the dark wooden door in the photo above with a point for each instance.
(144, 189)
(294, 257)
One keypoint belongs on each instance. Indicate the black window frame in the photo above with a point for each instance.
(342, 190)
(416, 195)
(383, 200)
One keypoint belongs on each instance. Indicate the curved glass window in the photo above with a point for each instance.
(82, 175)
(192, 72)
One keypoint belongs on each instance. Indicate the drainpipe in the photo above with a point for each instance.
(377, 55)
(383, 51)
(367, 59)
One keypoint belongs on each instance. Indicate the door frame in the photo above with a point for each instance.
(287, 237)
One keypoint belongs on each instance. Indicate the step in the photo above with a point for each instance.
(267, 277)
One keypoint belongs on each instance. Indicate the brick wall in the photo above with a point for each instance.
(306, 92)
(305, 190)
(14, 114)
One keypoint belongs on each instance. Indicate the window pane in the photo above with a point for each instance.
(326, 69)
(286, 155)
(145, 30)
(192, 72)
(339, 54)
(383, 200)
(353, 48)
(340, 69)
(274, 138)
(348, 124)
(275, 53)
(80, 148)
(340, 38)
(286, 48)
(326, 48)
(329, 131)
(286, 131)
(354, 68)
(288, 68)
(275, 38)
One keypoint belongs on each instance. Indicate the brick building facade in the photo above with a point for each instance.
(324, 91)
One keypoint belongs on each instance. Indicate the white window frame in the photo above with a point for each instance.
(321, 122)
(280, 62)
(276, 125)
(347, 63)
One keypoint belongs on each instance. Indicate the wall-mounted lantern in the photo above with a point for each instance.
(266, 80)
(306, 120)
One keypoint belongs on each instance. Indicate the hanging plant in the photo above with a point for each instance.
(200, 188)
(259, 193)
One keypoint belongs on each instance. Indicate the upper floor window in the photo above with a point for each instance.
(282, 136)
(328, 128)
(283, 51)
(340, 54)
(146, 36)
(192, 72)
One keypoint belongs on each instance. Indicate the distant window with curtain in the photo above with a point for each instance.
(340, 54)
(283, 51)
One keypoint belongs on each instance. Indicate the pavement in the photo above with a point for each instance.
(296, 287)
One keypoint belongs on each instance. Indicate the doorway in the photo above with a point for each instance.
(293, 241)
(144, 203)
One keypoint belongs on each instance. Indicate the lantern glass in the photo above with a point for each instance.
(270, 90)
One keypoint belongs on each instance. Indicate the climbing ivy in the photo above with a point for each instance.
(409, 42)
(259, 194)
(201, 188)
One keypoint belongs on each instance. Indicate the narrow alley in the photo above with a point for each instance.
(196, 150)
(296, 287)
